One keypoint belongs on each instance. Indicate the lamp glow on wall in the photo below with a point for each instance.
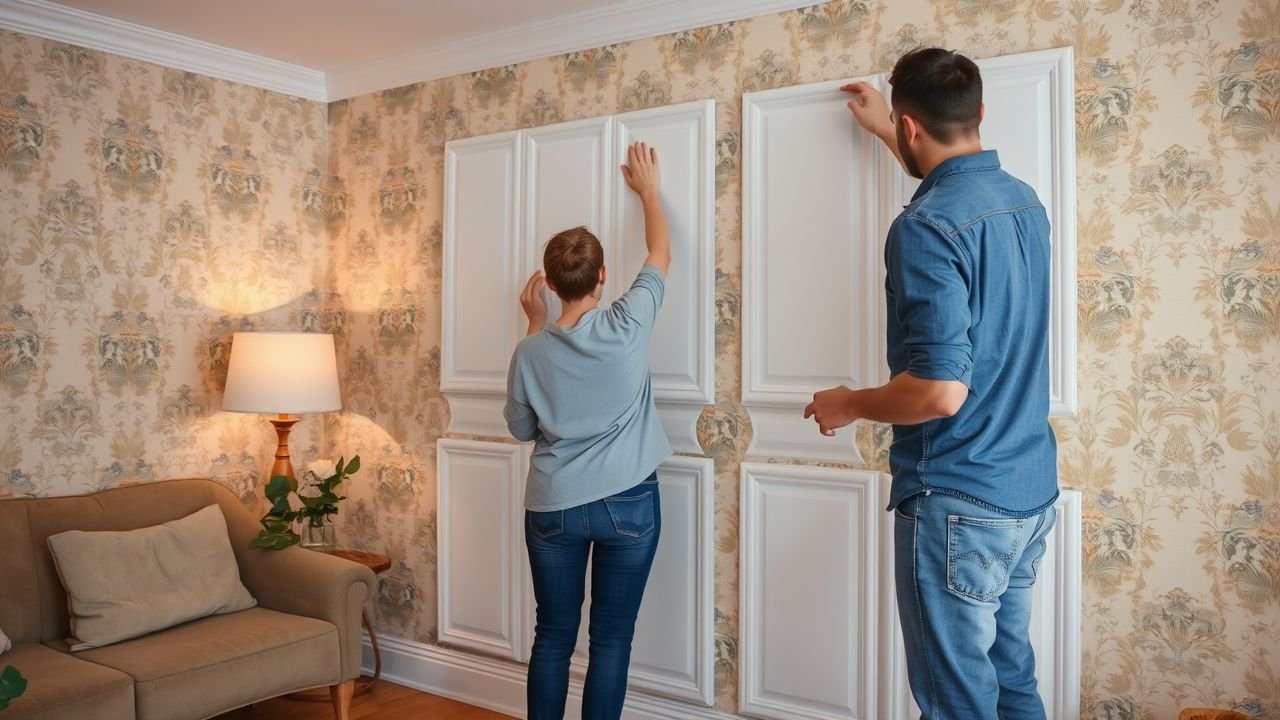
(285, 374)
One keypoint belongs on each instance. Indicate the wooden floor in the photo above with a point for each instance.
(384, 702)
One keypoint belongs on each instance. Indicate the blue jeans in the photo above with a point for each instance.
(964, 576)
(621, 535)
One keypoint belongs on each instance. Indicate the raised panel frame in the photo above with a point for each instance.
(776, 402)
(536, 233)
(696, 384)
(505, 637)
(680, 394)
(758, 387)
(861, 490)
(454, 376)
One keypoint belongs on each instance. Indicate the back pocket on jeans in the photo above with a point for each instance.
(981, 553)
(546, 524)
(632, 516)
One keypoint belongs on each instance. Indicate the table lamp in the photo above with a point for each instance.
(285, 374)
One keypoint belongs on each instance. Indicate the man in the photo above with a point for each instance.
(973, 456)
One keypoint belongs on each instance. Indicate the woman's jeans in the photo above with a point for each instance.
(621, 535)
(964, 577)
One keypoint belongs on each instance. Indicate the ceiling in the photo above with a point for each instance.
(329, 34)
(332, 49)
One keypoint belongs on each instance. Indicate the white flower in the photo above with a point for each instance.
(321, 469)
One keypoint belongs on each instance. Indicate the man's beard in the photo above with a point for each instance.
(908, 157)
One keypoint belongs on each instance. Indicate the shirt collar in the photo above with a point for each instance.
(984, 160)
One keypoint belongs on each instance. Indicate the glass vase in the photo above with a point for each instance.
(319, 536)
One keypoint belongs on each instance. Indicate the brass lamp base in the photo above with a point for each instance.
(282, 466)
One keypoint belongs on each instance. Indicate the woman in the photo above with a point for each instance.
(579, 388)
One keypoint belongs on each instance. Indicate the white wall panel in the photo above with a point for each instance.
(507, 194)
(1030, 122)
(482, 263)
(814, 195)
(568, 182)
(674, 649)
(1055, 614)
(480, 545)
(682, 351)
(809, 618)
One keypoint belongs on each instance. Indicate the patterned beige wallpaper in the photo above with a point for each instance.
(1177, 448)
(145, 215)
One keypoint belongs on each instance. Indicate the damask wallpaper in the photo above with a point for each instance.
(147, 213)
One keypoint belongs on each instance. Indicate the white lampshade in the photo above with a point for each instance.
(282, 372)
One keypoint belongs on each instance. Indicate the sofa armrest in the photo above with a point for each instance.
(313, 584)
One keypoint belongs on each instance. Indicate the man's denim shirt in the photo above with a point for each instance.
(968, 300)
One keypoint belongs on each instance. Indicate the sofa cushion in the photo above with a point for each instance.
(122, 585)
(61, 686)
(224, 661)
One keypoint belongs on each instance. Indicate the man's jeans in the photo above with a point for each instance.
(621, 534)
(964, 576)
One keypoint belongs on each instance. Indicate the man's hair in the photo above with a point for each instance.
(572, 262)
(940, 89)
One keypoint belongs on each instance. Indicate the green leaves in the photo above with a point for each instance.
(12, 685)
(277, 531)
(278, 490)
(277, 525)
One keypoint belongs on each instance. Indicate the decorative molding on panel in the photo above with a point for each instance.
(616, 23)
(499, 685)
(1058, 645)
(501, 632)
(896, 702)
(692, 220)
(801, 142)
(475, 273)
(783, 432)
(571, 180)
(99, 32)
(809, 631)
(674, 654)
(787, 133)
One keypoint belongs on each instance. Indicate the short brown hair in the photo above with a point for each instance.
(572, 262)
(941, 89)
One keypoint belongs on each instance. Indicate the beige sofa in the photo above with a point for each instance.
(305, 632)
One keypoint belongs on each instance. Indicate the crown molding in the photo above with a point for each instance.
(568, 33)
(99, 32)
(628, 21)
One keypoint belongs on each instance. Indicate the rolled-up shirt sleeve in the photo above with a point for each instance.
(522, 421)
(929, 274)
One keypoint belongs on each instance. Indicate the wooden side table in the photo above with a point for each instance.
(378, 564)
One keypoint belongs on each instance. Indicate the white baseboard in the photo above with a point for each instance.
(500, 685)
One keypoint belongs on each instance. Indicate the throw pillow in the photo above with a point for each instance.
(5, 645)
(121, 585)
